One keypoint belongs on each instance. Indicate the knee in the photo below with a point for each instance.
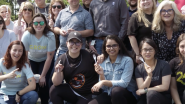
(117, 92)
(30, 97)
(151, 94)
(53, 92)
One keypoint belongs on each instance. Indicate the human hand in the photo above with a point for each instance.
(20, 15)
(63, 33)
(138, 61)
(98, 69)
(100, 59)
(17, 98)
(51, 23)
(42, 81)
(97, 87)
(70, 30)
(12, 74)
(140, 92)
(149, 71)
(59, 68)
(91, 47)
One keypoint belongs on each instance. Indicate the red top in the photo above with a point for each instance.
(180, 4)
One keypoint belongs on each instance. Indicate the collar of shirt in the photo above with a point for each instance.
(118, 60)
(80, 8)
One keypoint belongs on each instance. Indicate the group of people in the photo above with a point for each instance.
(141, 53)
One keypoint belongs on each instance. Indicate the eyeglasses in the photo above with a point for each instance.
(41, 23)
(57, 6)
(169, 11)
(113, 46)
(148, 50)
(71, 43)
(30, 10)
(1, 22)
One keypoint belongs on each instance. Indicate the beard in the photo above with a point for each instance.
(132, 5)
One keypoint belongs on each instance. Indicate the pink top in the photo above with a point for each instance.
(180, 3)
(19, 30)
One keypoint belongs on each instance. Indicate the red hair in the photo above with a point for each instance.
(8, 59)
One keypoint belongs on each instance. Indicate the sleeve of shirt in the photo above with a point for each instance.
(172, 66)
(57, 22)
(28, 72)
(126, 75)
(124, 18)
(89, 22)
(133, 25)
(51, 42)
(138, 73)
(166, 69)
(12, 36)
(25, 39)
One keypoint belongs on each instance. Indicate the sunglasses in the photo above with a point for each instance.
(30, 10)
(41, 23)
(1, 21)
(57, 6)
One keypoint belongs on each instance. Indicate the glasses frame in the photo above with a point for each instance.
(148, 50)
(41, 23)
(163, 11)
(57, 6)
(112, 46)
(71, 43)
(27, 9)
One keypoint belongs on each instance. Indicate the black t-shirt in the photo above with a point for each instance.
(178, 72)
(162, 69)
(138, 29)
(79, 73)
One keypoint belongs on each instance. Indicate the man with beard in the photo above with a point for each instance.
(86, 4)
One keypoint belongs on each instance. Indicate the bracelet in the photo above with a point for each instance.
(146, 89)
(18, 93)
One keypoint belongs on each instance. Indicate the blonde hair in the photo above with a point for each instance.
(158, 25)
(29, 5)
(141, 14)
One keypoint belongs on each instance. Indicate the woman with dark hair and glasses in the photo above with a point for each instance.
(26, 12)
(76, 66)
(6, 37)
(40, 45)
(16, 76)
(152, 76)
(167, 26)
(115, 74)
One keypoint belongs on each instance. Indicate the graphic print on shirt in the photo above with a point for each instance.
(180, 76)
(77, 81)
(14, 80)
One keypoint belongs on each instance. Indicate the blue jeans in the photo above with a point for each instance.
(59, 52)
(28, 98)
(98, 46)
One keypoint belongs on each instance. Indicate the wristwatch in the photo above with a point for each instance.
(146, 89)
(18, 93)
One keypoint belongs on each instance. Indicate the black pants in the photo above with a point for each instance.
(182, 96)
(119, 95)
(63, 92)
(154, 97)
(37, 68)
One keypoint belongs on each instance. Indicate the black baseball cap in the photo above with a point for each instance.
(75, 35)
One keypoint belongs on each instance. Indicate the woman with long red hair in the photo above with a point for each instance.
(16, 76)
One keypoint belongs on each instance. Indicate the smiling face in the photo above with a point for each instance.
(132, 3)
(146, 4)
(112, 48)
(147, 52)
(74, 46)
(169, 15)
(16, 53)
(27, 12)
(56, 10)
(4, 14)
(182, 48)
(39, 27)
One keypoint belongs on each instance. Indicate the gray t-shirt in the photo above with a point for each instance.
(38, 48)
(5, 41)
(79, 21)
(44, 11)
(10, 26)
(11, 86)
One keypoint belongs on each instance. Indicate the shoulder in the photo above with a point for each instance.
(50, 34)
(175, 61)
(84, 52)
(10, 32)
(162, 64)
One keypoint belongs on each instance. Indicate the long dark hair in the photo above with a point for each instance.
(46, 29)
(8, 59)
(122, 50)
(181, 38)
(4, 25)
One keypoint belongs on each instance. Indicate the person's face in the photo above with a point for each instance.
(73, 2)
(132, 3)
(86, 2)
(16, 52)
(56, 8)
(182, 48)
(74, 46)
(147, 52)
(146, 4)
(4, 14)
(40, 2)
(167, 13)
(1, 24)
(27, 12)
(112, 48)
(39, 24)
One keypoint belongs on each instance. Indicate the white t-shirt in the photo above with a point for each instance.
(38, 48)
(11, 86)
(5, 41)
(10, 26)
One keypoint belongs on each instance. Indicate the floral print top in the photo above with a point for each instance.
(166, 48)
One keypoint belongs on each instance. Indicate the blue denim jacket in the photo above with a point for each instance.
(120, 75)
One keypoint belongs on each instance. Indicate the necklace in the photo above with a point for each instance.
(76, 65)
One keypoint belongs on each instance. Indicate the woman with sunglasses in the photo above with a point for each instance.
(152, 76)
(5, 12)
(76, 67)
(115, 74)
(6, 37)
(26, 12)
(178, 69)
(40, 45)
(55, 7)
(167, 26)
(17, 77)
